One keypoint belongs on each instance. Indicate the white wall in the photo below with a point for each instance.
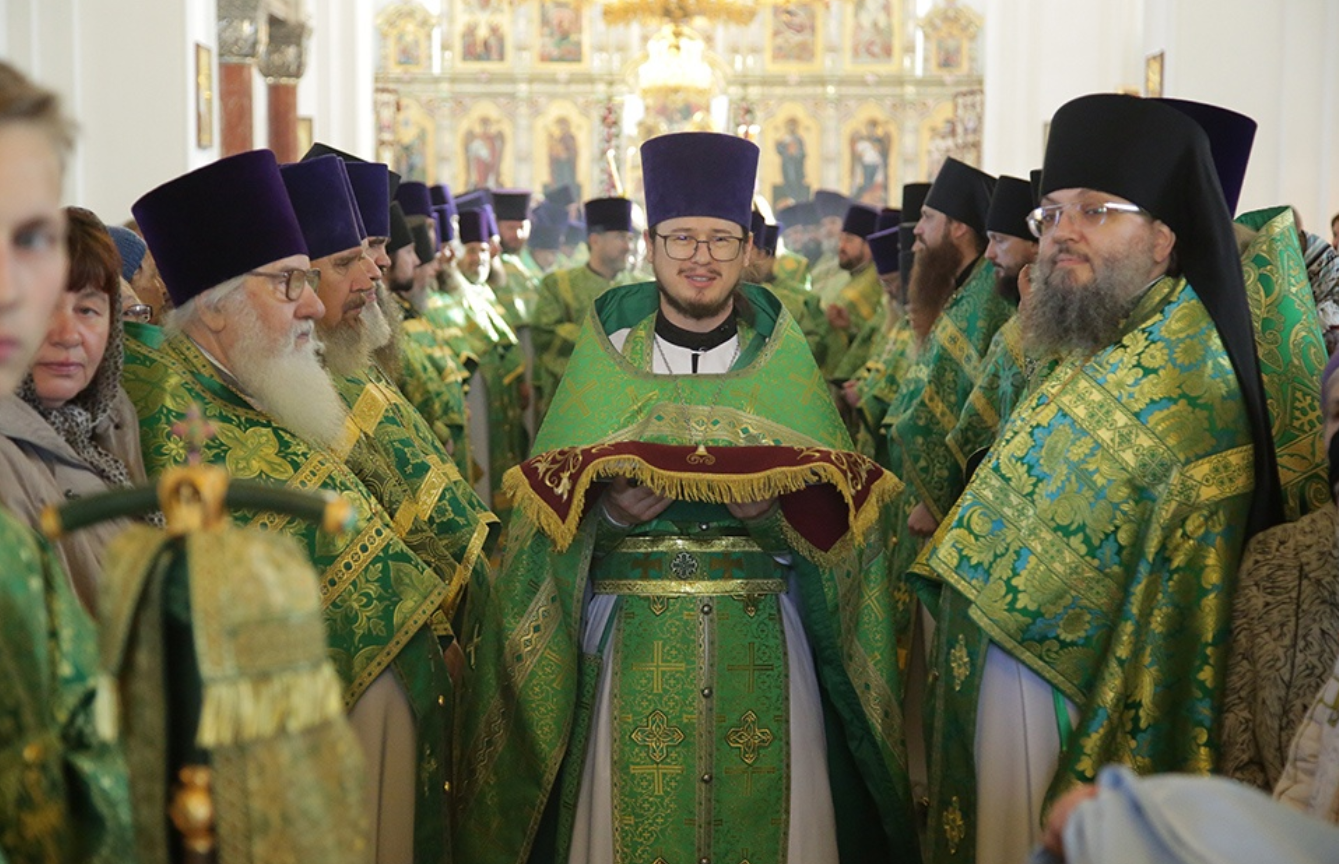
(336, 92)
(1275, 62)
(126, 71)
(1039, 54)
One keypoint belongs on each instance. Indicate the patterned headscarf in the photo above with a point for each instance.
(78, 420)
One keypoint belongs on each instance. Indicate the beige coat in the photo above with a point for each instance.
(38, 468)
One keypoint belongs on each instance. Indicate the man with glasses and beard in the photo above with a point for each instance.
(242, 346)
(1083, 582)
(437, 514)
(719, 694)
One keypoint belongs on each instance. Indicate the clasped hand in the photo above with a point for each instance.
(629, 503)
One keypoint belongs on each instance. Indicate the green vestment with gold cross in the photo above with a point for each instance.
(694, 644)
(64, 793)
(564, 299)
(1097, 544)
(379, 598)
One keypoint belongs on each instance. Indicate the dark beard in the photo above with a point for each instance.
(700, 311)
(401, 287)
(813, 250)
(934, 278)
(1007, 286)
(1061, 316)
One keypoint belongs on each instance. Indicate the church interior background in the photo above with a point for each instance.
(858, 96)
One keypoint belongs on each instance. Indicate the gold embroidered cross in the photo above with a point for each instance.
(748, 738)
(658, 667)
(657, 735)
(753, 667)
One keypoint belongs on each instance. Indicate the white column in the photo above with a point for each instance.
(336, 92)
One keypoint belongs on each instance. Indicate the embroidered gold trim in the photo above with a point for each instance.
(728, 543)
(686, 588)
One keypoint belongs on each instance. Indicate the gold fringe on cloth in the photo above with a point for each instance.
(705, 487)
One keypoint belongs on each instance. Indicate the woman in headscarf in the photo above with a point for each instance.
(70, 430)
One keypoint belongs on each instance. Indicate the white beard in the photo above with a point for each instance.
(288, 382)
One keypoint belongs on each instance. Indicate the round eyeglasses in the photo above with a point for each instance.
(682, 247)
(291, 282)
(1042, 220)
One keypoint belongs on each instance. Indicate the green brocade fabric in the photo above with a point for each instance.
(375, 591)
(565, 297)
(1098, 545)
(881, 381)
(1003, 382)
(476, 313)
(526, 719)
(433, 380)
(517, 297)
(1292, 355)
(862, 297)
(436, 512)
(868, 343)
(217, 648)
(64, 793)
(948, 367)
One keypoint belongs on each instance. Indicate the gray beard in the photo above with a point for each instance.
(1060, 316)
(349, 347)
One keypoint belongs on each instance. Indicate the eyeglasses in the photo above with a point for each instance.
(1042, 221)
(141, 312)
(682, 247)
(291, 282)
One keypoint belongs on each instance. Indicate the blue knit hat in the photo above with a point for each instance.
(699, 174)
(249, 223)
(131, 247)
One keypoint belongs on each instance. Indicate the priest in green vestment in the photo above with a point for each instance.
(1082, 583)
(241, 347)
(802, 304)
(498, 391)
(827, 274)
(1005, 370)
(676, 661)
(64, 795)
(437, 514)
(429, 372)
(565, 295)
(858, 301)
(890, 346)
(952, 292)
(519, 291)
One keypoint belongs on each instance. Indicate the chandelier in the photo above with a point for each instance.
(676, 66)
